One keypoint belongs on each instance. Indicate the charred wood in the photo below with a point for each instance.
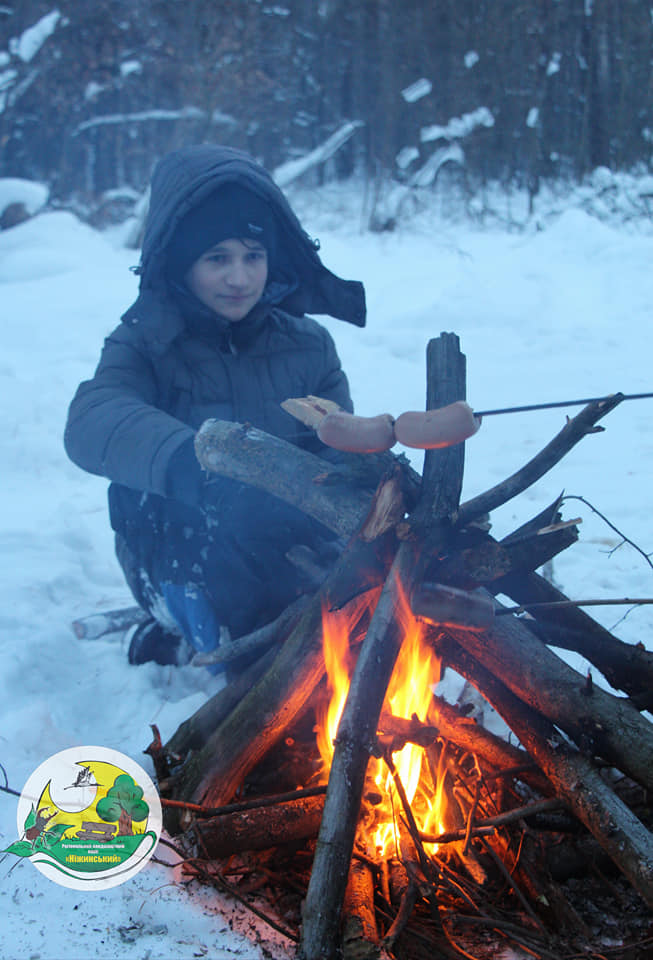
(289, 822)
(601, 724)
(573, 775)
(357, 731)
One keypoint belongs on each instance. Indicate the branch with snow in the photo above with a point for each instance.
(287, 172)
(28, 44)
(458, 127)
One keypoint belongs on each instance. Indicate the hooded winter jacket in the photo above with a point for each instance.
(172, 363)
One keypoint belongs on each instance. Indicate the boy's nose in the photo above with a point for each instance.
(238, 274)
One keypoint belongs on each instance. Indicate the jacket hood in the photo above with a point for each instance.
(186, 177)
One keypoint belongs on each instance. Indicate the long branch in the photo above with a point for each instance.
(569, 436)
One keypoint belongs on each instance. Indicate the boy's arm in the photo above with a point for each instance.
(114, 428)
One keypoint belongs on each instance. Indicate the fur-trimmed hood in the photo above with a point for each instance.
(181, 181)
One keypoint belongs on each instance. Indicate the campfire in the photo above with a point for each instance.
(375, 818)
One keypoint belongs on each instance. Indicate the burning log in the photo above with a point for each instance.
(213, 774)
(351, 903)
(357, 730)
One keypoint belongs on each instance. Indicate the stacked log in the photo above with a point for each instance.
(568, 729)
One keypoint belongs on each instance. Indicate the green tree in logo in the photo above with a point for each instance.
(124, 803)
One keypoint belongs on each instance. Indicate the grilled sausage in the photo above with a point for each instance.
(429, 429)
(346, 431)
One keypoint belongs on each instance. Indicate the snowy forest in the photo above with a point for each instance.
(481, 167)
(512, 93)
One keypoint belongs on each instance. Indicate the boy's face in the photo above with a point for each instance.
(230, 277)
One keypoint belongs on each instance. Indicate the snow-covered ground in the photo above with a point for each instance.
(564, 312)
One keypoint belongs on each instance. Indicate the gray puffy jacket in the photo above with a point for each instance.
(171, 364)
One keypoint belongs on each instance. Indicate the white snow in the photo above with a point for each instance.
(458, 127)
(553, 65)
(532, 117)
(415, 91)
(128, 67)
(562, 312)
(30, 193)
(28, 44)
(406, 156)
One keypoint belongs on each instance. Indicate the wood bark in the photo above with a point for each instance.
(360, 935)
(601, 724)
(574, 777)
(627, 667)
(259, 829)
(338, 495)
(574, 431)
(357, 730)
(193, 733)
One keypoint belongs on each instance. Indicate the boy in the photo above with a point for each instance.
(217, 331)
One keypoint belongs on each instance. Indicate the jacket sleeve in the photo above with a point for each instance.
(115, 427)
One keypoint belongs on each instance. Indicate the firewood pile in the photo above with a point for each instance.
(369, 817)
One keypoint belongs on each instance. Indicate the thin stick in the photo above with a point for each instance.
(252, 804)
(560, 403)
(520, 896)
(604, 602)
(574, 431)
(624, 538)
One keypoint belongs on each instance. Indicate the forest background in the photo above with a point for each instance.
(514, 93)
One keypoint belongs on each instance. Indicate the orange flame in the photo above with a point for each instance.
(409, 694)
